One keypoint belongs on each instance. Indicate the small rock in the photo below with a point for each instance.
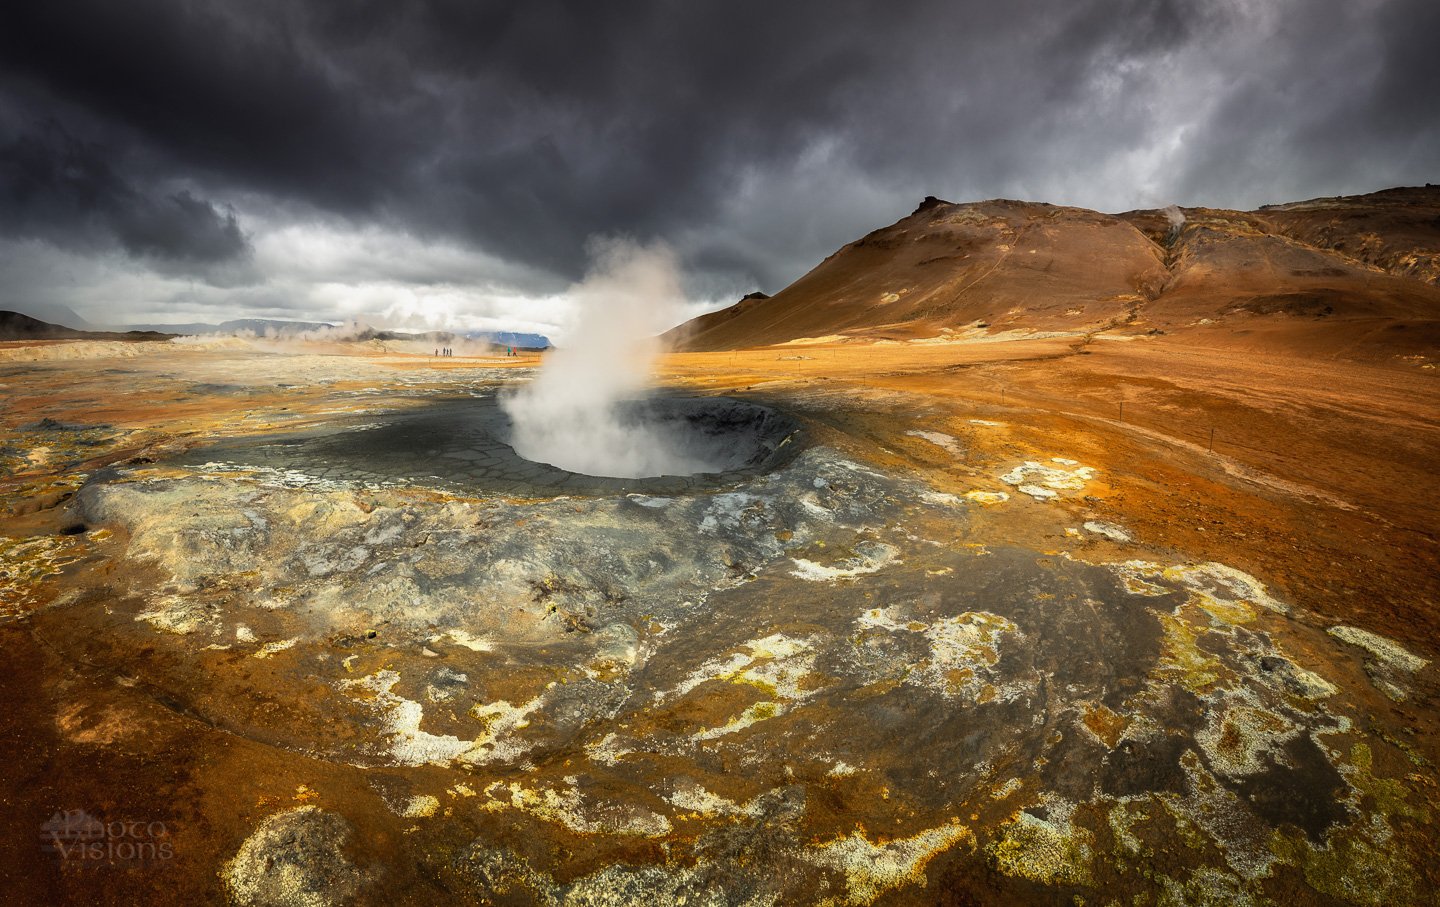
(294, 859)
(1038, 493)
(1385, 650)
(1108, 530)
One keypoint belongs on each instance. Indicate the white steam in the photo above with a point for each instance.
(1176, 217)
(579, 413)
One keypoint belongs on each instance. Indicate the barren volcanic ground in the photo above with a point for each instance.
(961, 629)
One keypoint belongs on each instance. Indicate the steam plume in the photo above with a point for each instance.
(1176, 217)
(580, 412)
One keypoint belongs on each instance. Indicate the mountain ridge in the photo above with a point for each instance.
(19, 326)
(1366, 263)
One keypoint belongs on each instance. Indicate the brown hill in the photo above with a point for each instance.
(1397, 230)
(1001, 263)
(14, 326)
(1335, 275)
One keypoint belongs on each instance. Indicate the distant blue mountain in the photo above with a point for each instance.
(512, 338)
(264, 326)
(256, 325)
(182, 329)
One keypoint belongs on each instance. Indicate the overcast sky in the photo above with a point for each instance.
(446, 163)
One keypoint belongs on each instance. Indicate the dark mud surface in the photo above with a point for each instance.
(463, 444)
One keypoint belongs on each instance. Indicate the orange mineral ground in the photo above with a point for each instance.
(1094, 561)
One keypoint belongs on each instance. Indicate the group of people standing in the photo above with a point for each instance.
(446, 351)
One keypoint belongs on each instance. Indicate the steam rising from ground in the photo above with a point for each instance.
(581, 411)
(1176, 217)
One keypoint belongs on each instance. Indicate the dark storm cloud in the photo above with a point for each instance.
(57, 187)
(1344, 101)
(762, 135)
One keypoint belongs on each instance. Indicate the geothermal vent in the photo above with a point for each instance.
(662, 436)
(664, 444)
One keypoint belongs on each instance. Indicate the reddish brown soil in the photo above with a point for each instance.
(1320, 477)
(1306, 337)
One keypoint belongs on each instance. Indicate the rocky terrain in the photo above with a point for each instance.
(1099, 567)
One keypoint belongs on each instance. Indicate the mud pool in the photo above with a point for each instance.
(466, 444)
(810, 678)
